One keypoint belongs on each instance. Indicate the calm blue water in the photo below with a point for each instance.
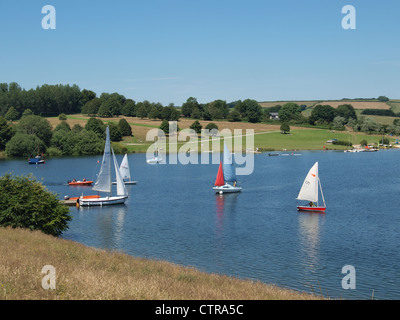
(172, 214)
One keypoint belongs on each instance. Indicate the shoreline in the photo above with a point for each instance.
(88, 273)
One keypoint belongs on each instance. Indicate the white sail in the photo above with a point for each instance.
(103, 182)
(124, 169)
(121, 190)
(309, 190)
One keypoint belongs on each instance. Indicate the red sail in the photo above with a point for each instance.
(220, 177)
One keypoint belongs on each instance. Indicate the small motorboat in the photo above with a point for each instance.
(84, 182)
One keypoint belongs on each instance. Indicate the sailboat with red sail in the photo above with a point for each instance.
(225, 175)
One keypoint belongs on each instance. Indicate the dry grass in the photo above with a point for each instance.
(140, 127)
(86, 274)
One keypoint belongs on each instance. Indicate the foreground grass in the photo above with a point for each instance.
(89, 273)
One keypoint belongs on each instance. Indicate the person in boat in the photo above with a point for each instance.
(74, 180)
(234, 183)
(84, 179)
(312, 204)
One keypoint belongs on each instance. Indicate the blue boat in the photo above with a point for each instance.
(36, 160)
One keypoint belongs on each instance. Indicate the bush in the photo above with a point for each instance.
(26, 203)
(62, 116)
(342, 142)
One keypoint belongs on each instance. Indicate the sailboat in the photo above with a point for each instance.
(103, 182)
(156, 157)
(38, 159)
(225, 175)
(309, 192)
(125, 172)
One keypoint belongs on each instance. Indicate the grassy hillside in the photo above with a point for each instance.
(266, 136)
(88, 273)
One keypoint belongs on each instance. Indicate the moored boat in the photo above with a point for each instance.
(103, 182)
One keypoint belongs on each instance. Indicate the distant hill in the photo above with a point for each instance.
(357, 104)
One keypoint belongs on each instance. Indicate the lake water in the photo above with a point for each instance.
(173, 214)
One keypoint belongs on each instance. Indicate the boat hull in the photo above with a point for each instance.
(35, 161)
(311, 209)
(102, 201)
(80, 183)
(227, 188)
(126, 182)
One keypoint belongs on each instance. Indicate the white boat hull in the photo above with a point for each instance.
(126, 182)
(153, 160)
(227, 188)
(102, 201)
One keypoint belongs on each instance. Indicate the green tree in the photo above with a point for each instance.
(196, 126)
(165, 126)
(86, 96)
(217, 109)
(289, 111)
(88, 143)
(129, 108)
(115, 132)
(212, 128)
(346, 111)
(6, 132)
(285, 128)
(97, 126)
(62, 116)
(383, 98)
(24, 145)
(26, 203)
(36, 125)
(141, 112)
(92, 107)
(63, 125)
(125, 128)
(323, 114)
(188, 106)
(338, 123)
(234, 116)
(154, 113)
(12, 114)
(253, 110)
(27, 112)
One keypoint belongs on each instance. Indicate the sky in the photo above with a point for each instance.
(169, 50)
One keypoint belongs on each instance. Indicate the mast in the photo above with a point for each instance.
(322, 194)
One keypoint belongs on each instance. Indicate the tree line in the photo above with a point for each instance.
(34, 135)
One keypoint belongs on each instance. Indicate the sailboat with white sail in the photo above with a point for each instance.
(125, 171)
(226, 174)
(309, 192)
(103, 182)
(156, 155)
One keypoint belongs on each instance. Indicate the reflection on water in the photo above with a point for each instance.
(310, 226)
(109, 223)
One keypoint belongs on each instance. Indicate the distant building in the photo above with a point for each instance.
(274, 116)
